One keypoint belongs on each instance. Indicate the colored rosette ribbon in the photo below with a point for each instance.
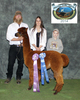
(43, 68)
(35, 73)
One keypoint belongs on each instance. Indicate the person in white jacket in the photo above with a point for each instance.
(16, 47)
(38, 35)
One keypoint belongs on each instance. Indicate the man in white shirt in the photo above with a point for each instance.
(16, 47)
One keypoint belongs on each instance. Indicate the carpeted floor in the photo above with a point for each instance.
(12, 91)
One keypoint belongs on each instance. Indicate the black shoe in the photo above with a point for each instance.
(18, 81)
(7, 81)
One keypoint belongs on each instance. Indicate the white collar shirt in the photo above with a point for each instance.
(12, 29)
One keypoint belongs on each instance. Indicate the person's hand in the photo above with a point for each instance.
(20, 38)
(17, 39)
(38, 49)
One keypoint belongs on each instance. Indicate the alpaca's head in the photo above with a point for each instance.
(21, 32)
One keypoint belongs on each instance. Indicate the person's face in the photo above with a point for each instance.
(18, 17)
(55, 34)
(38, 22)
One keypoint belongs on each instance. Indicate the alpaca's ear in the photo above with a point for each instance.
(26, 29)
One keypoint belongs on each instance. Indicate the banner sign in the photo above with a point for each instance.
(64, 13)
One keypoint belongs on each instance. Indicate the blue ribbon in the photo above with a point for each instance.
(43, 68)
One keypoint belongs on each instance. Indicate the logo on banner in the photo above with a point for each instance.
(63, 12)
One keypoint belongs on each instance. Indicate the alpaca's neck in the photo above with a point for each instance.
(26, 45)
(26, 49)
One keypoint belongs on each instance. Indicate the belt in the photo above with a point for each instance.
(19, 45)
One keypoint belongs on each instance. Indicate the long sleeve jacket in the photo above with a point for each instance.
(42, 41)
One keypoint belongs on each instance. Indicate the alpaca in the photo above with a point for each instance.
(54, 60)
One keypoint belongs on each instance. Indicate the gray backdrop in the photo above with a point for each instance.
(69, 33)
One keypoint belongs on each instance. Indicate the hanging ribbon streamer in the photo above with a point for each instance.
(35, 75)
(43, 68)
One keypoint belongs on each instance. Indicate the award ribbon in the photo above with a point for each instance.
(43, 68)
(35, 75)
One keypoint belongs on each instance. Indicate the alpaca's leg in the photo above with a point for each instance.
(39, 75)
(30, 86)
(59, 83)
(59, 79)
(30, 79)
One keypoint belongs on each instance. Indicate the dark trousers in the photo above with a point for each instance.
(15, 52)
